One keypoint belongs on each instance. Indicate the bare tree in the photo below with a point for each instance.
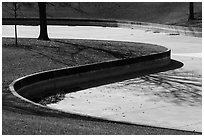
(191, 11)
(43, 21)
(14, 7)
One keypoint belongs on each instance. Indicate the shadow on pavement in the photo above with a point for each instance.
(179, 87)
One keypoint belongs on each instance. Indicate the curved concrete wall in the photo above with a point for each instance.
(39, 85)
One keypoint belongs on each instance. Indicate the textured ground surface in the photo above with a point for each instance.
(171, 99)
(26, 113)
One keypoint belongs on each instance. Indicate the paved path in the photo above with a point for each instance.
(170, 99)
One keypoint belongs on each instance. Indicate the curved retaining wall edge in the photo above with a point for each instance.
(39, 85)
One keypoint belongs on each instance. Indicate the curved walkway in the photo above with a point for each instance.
(174, 98)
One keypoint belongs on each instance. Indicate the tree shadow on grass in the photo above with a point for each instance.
(81, 47)
(70, 54)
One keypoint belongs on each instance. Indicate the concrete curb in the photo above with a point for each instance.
(172, 29)
(50, 82)
(18, 87)
(39, 85)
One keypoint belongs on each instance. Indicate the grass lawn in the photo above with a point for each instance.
(30, 56)
(156, 12)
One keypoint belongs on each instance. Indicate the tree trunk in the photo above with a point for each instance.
(191, 11)
(43, 21)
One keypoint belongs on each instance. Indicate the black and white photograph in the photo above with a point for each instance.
(101, 67)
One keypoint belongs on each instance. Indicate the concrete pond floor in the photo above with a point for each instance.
(170, 99)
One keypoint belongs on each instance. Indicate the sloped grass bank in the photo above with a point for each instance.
(155, 12)
(30, 56)
(79, 52)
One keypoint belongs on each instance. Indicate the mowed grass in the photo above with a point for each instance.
(30, 56)
(156, 12)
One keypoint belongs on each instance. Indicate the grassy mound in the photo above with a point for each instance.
(20, 117)
(80, 52)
